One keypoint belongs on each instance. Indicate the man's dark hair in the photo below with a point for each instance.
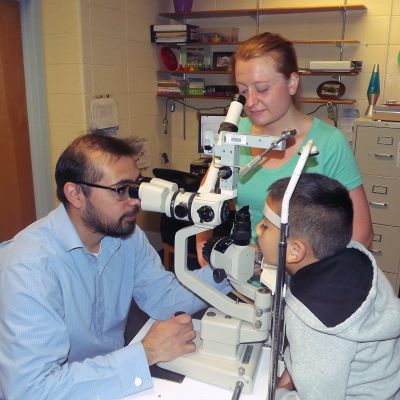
(320, 211)
(82, 160)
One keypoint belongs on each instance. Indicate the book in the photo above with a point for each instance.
(188, 34)
(178, 39)
(172, 27)
(169, 34)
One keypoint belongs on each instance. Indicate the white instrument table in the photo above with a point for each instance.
(196, 390)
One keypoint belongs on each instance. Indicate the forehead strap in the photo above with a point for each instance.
(272, 216)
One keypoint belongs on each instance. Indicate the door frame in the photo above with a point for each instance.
(32, 44)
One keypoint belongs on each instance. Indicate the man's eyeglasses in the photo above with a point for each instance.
(124, 192)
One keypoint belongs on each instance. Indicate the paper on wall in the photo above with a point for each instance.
(104, 113)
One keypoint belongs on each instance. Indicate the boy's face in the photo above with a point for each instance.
(268, 235)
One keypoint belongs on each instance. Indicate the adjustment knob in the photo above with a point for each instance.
(206, 214)
(225, 172)
(219, 275)
(225, 211)
(181, 210)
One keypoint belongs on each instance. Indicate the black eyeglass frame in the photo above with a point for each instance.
(132, 192)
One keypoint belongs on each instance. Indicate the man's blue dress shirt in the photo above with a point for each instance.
(63, 312)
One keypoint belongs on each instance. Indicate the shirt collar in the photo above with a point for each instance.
(65, 229)
(69, 237)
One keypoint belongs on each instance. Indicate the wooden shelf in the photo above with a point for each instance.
(322, 101)
(294, 41)
(178, 96)
(302, 100)
(328, 73)
(213, 72)
(254, 12)
(326, 41)
(216, 72)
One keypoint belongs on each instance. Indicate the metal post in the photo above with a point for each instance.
(277, 316)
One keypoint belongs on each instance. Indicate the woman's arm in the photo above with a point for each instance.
(362, 224)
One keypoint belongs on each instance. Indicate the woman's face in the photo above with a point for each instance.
(268, 93)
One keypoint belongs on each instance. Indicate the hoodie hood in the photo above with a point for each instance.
(346, 295)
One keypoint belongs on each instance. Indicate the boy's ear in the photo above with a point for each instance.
(296, 251)
(74, 194)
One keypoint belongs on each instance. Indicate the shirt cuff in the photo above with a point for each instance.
(133, 369)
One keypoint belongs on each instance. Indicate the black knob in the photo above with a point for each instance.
(225, 211)
(206, 214)
(181, 210)
(225, 172)
(240, 98)
(219, 275)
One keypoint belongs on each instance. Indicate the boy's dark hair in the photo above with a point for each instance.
(320, 211)
(81, 161)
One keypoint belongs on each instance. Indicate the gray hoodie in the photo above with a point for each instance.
(343, 330)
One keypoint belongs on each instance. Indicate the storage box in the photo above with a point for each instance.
(196, 86)
(218, 35)
(386, 113)
(176, 33)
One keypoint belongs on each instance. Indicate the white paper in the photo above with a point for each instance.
(104, 113)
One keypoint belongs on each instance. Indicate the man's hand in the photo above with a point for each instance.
(167, 340)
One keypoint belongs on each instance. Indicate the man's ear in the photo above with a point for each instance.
(296, 251)
(74, 194)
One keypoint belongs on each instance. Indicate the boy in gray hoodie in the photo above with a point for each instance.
(342, 316)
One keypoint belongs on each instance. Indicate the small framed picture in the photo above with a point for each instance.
(222, 60)
(331, 90)
(195, 56)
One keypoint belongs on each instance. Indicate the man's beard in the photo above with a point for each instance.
(97, 223)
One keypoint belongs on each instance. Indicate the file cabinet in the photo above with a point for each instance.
(376, 146)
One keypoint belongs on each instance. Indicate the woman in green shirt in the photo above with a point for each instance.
(266, 73)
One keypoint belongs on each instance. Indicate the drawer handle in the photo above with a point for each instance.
(383, 156)
(377, 204)
(376, 252)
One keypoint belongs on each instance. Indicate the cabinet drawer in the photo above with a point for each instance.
(385, 247)
(383, 196)
(377, 150)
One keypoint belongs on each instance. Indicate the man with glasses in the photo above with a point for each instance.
(67, 281)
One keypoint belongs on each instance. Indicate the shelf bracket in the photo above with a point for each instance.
(184, 119)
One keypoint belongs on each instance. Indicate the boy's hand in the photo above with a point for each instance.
(285, 381)
(167, 340)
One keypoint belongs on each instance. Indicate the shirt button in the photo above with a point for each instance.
(138, 381)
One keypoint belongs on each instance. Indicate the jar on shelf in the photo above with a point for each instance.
(183, 6)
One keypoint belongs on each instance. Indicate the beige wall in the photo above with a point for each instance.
(99, 47)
